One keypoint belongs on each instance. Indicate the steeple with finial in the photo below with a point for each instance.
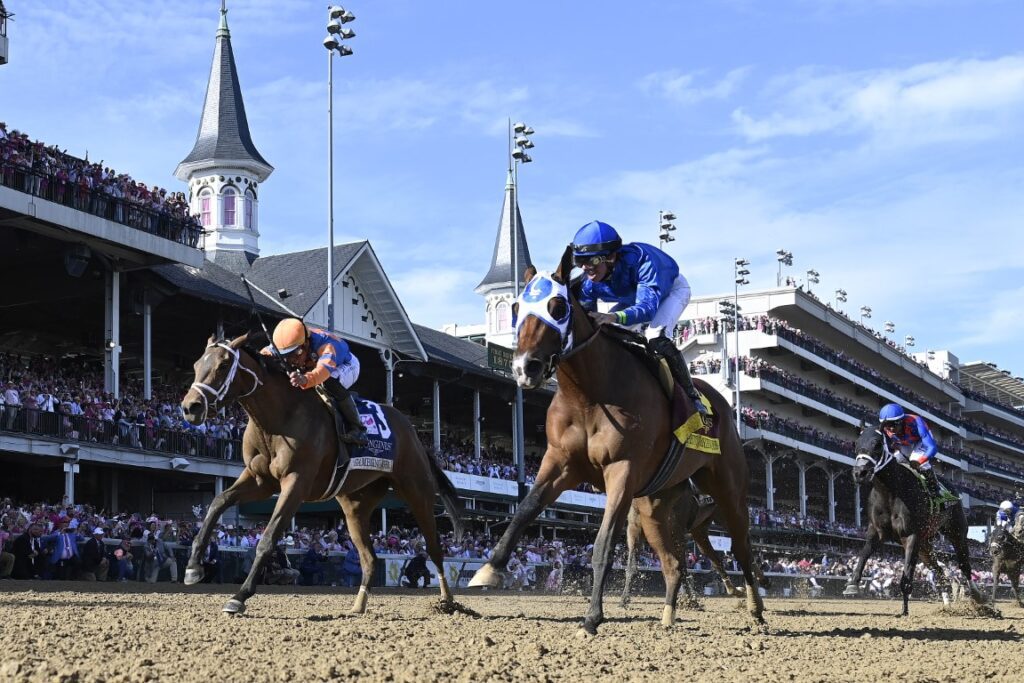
(497, 286)
(224, 168)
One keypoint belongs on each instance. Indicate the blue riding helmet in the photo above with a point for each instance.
(595, 239)
(891, 413)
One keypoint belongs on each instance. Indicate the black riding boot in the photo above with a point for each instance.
(355, 433)
(931, 483)
(666, 348)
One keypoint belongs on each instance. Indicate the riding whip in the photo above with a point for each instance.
(252, 299)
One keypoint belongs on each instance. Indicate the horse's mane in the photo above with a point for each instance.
(633, 342)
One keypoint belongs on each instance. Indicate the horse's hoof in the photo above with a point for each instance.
(193, 576)
(737, 592)
(586, 631)
(233, 607)
(851, 590)
(668, 616)
(487, 577)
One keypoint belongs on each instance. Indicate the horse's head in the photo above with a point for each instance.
(543, 324)
(871, 454)
(217, 382)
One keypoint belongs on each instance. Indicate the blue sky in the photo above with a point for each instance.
(879, 140)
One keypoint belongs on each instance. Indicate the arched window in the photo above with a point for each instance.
(250, 207)
(206, 208)
(229, 205)
(504, 316)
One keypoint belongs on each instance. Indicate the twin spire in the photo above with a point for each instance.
(223, 138)
(502, 272)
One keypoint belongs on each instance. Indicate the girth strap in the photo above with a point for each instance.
(668, 466)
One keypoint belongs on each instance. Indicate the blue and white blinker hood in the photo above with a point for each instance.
(534, 302)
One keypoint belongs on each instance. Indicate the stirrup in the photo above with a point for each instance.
(354, 437)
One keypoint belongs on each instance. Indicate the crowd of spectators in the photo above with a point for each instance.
(755, 367)
(762, 419)
(61, 541)
(64, 397)
(48, 172)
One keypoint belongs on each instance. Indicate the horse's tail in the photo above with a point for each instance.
(449, 496)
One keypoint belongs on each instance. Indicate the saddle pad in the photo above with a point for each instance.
(690, 428)
(379, 452)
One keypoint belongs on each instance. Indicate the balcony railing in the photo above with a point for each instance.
(123, 434)
(183, 230)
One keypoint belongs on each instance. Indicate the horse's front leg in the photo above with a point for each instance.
(996, 566)
(287, 505)
(870, 547)
(616, 508)
(555, 476)
(246, 488)
(909, 562)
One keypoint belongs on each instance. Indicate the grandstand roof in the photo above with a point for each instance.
(450, 350)
(989, 381)
(302, 273)
(223, 136)
(501, 273)
(214, 283)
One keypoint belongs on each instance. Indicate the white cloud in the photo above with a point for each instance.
(683, 88)
(932, 102)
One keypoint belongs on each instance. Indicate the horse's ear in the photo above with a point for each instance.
(529, 273)
(861, 425)
(239, 342)
(212, 340)
(564, 270)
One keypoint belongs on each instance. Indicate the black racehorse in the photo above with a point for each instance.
(901, 510)
(1008, 558)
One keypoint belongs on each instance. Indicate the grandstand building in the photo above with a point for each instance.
(94, 283)
(809, 373)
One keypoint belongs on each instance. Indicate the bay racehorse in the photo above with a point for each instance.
(1007, 558)
(290, 448)
(689, 517)
(901, 510)
(609, 425)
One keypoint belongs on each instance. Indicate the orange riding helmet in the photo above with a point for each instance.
(289, 335)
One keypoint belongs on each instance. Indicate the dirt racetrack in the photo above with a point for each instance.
(134, 632)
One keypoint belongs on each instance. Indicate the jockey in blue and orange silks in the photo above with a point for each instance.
(319, 357)
(905, 432)
(646, 287)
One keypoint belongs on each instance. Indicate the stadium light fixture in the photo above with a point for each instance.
(785, 258)
(337, 16)
(813, 278)
(909, 340)
(890, 326)
(665, 228)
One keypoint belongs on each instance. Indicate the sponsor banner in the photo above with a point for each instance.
(457, 571)
(722, 544)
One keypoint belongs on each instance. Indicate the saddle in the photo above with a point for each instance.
(341, 458)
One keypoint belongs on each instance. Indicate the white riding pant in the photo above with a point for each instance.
(671, 309)
(906, 459)
(347, 373)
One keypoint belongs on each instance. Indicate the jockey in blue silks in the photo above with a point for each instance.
(1010, 517)
(905, 433)
(646, 287)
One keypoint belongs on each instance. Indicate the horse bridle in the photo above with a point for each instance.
(219, 394)
(877, 463)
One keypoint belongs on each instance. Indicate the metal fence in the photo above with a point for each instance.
(123, 434)
(162, 223)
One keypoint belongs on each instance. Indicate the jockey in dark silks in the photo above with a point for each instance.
(322, 358)
(646, 287)
(904, 433)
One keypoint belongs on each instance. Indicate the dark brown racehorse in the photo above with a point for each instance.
(900, 510)
(289, 448)
(609, 425)
(689, 516)
(1007, 558)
